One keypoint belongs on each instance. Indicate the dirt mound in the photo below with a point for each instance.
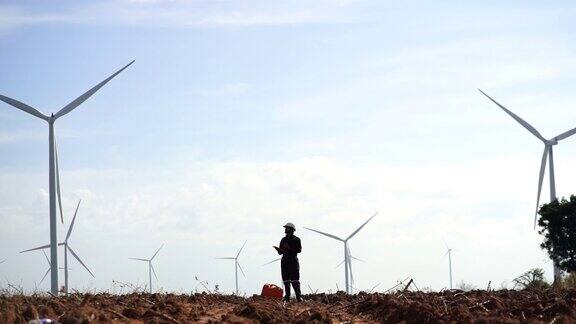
(475, 306)
(408, 307)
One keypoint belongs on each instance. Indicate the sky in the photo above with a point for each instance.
(238, 117)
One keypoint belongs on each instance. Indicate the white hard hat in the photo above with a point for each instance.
(290, 225)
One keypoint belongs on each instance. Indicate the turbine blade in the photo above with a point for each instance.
(24, 107)
(69, 107)
(161, 246)
(445, 244)
(37, 248)
(267, 263)
(226, 258)
(339, 264)
(73, 220)
(355, 258)
(378, 284)
(47, 260)
(359, 228)
(518, 119)
(566, 134)
(78, 258)
(237, 255)
(139, 259)
(58, 196)
(45, 274)
(154, 271)
(540, 179)
(240, 267)
(326, 234)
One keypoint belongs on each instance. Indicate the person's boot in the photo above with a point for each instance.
(287, 291)
(296, 285)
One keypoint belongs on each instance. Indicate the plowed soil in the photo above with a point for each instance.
(504, 306)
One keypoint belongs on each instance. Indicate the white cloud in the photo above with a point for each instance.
(413, 79)
(175, 14)
(482, 209)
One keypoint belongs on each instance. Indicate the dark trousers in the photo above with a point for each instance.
(291, 276)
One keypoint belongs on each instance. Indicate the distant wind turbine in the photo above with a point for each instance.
(346, 250)
(67, 248)
(547, 155)
(236, 265)
(150, 266)
(53, 174)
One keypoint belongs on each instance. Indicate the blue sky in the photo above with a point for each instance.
(238, 117)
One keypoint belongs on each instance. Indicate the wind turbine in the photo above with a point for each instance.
(67, 248)
(53, 174)
(548, 144)
(346, 250)
(236, 265)
(150, 266)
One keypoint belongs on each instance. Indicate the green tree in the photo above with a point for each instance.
(558, 226)
(531, 279)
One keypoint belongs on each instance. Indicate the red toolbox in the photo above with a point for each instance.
(272, 291)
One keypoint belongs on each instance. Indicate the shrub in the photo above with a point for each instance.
(531, 279)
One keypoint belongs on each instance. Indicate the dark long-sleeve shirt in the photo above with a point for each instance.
(290, 247)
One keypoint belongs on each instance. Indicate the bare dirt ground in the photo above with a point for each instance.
(505, 306)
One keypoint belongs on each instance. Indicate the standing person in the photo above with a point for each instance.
(289, 248)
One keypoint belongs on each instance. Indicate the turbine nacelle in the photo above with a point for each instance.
(551, 142)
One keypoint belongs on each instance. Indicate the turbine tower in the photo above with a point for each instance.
(53, 173)
(67, 248)
(236, 265)
(150, 266)
(547, 155)
(347, 266)
(449, 254)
